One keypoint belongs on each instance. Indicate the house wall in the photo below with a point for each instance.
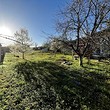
(103, 43)
(0, 52)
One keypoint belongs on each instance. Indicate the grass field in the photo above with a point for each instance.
(42, 82)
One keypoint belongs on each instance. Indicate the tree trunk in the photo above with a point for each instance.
(23, 55)
(88, 60)
(72, 55)
(81, 61)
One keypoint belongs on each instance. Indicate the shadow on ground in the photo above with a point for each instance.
(52, 87)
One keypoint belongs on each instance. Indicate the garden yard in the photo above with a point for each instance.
(42, 82)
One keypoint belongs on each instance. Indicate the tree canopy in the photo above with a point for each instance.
(83, 19)
(23, 41)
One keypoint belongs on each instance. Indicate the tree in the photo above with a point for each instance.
(13, 49)
(55, 45)
(46, 45)
(80, 21)
(23, 41)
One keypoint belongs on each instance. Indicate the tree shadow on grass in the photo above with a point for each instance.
(96, 69)
(53, 87)
(97, 66)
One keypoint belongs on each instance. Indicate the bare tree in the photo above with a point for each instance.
(80, 21)
(13, 49)
(23, 41)
(55, 45)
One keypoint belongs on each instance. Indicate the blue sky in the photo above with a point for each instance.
(37, 16)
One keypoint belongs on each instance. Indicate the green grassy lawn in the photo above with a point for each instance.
(42, 82)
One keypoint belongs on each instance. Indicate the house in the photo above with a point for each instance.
(3, 50)
(103, 43)
(0, 52)
(99, 44)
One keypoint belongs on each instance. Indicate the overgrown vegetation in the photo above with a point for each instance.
(42, 82)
